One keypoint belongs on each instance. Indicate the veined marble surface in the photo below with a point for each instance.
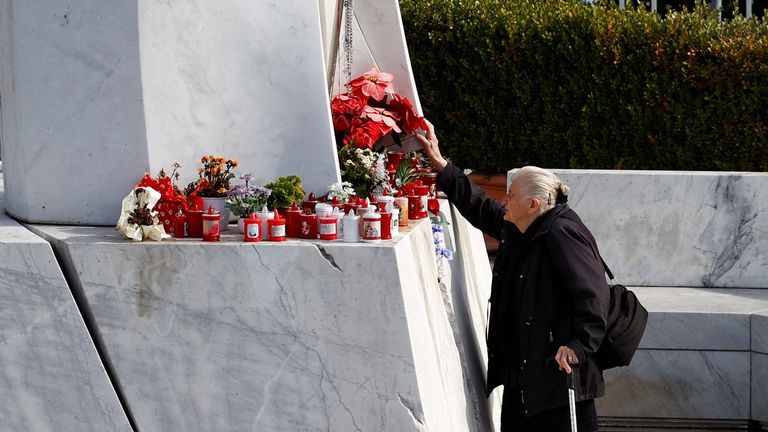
(52, 377)
(701, 318)
(680, 384)
(661, 228)
(104, 91)
(273, 336)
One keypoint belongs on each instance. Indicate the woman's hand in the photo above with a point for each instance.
(431, 149)
(565, 357)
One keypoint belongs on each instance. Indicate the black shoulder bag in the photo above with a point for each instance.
(626, 324)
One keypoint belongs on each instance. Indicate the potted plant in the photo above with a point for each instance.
(213, 184)
(285, 191)
(242, 200)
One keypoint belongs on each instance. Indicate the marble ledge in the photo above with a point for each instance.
(680, 384)
(700, 318)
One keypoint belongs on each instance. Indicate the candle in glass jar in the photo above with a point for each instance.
(211, 225)
(308, 226)
(327, 228)
(372, 227)
(350, 221)
(386, 226)
(195, 222)
(338, 215)
(276, 228)
(293, 221)
(179, 225)
(251, 229)
(264, 216)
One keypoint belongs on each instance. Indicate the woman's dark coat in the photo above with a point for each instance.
(555, 294)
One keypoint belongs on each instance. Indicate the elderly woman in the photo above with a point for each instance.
(549, 296)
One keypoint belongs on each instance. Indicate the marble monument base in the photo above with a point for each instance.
(274, 336)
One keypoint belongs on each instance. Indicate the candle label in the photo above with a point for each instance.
(253, 230)
(328, 228)
(278, 231)
(371, 230)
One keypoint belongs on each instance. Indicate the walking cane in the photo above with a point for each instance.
(572, 399)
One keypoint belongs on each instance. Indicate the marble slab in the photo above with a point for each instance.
(760, 332)
(661, 228)
(700, 318)
(52, 377)
(679, 384)
(273, 336)
(104, 91)
(469, 289)
(759, 387)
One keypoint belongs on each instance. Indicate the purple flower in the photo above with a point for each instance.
(261, 190)
(238, 190)
(247, 178)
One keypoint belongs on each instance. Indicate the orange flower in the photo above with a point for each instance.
(200, 170)
(222, 190)
(204, 159)
(200, 180)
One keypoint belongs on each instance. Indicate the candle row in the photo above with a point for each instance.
(367, 222)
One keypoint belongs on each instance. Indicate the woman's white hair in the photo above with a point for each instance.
(540, 184)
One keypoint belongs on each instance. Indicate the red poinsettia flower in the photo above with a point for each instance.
(363, 134)
(434, 206)
(407, 114)
(381, 115)
(373, 84)
(344, 110)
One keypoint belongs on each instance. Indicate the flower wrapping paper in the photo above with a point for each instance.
(169, 204)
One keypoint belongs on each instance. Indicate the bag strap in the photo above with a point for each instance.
(607, 270)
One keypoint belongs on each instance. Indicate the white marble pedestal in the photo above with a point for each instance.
(274, 336)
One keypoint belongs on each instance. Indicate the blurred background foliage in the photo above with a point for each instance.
(561, 84)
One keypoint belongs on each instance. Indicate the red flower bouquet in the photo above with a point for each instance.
(172, 199)
(363, 117)
(371, 110)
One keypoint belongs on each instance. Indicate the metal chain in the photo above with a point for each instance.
(348, 49)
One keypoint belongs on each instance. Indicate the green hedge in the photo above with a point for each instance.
(560, 84)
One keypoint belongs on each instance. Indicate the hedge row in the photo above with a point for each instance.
(560, 84)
